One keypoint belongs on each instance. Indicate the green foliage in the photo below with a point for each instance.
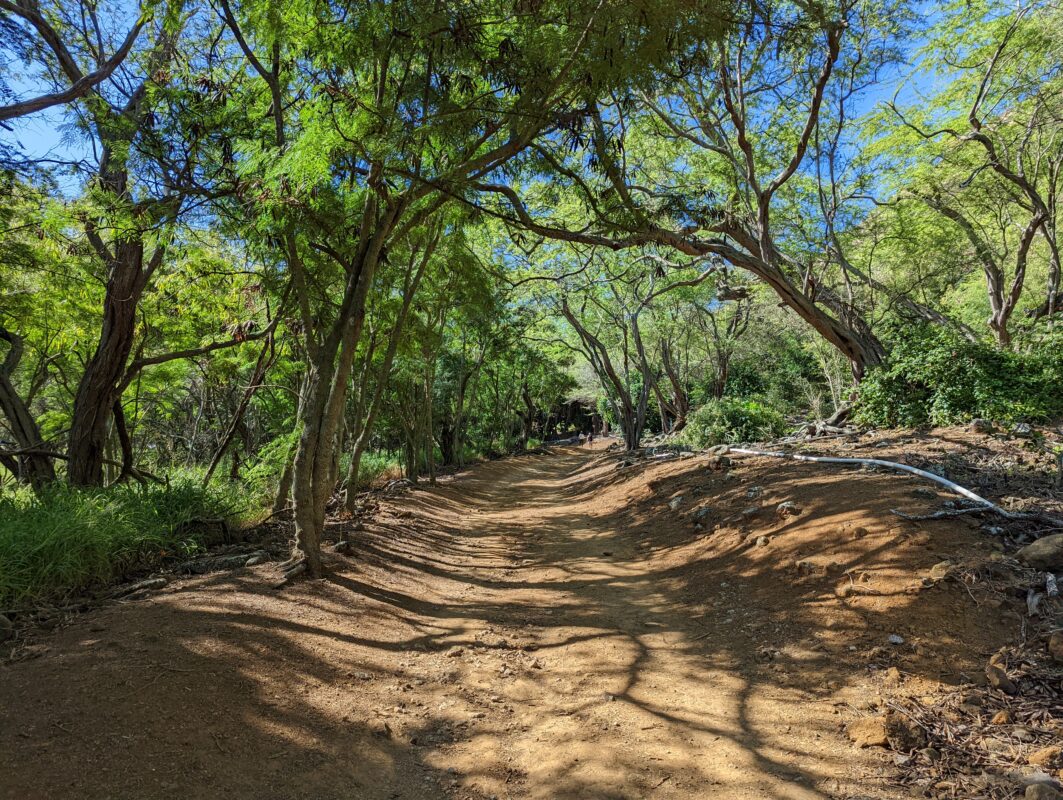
(65, 540)
(375, 466)
(936, 377)
(728, 421)
(271, 460)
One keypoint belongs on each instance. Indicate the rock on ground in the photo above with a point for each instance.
(1045, 553)
(1042, 791)
(1055, 646)
(868, 732)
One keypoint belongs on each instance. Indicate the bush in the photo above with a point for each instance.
(375, 465)
(935, 377)
(729, 420)
(65, 541)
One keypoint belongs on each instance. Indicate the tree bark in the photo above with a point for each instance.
(328, 377)
(34, 467)
(98, 388)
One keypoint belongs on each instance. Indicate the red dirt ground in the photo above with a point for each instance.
(539, 627)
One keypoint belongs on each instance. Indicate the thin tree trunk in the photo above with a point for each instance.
(328, 378)
(365, 431)
(265, 360)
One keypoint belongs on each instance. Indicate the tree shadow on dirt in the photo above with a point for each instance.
(590, 642)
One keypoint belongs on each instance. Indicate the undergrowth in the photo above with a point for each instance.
(65, 541)
(729, 420)
(935, 377)
(375, 465)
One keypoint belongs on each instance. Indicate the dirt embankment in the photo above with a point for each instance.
(542, 627)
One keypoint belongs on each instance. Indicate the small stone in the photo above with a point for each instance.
(1045, 757)
(859, 533)
(754, 491)
(256, 559)
(675, 502)
(940, 570)
(892, 677)
(997, 746)
(750, 512)
(1023, 734)
(35, 651)
(1041, 791)
(896, 639)
(788, 509)
(702, 512)
(455, 651)
(999, 679)
(1055, 646)
(868, 732)
(762, 541)
(931, 754)
(981, 426)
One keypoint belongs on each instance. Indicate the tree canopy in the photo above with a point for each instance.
(294, 247)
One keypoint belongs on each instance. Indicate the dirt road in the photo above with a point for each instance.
(539, 627)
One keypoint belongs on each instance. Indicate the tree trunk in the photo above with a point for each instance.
(328, 378)
(265, 360)
(284, 487)
(34, 467)
(680, 399)
(98, 388)
(125, 443)
(366, 429)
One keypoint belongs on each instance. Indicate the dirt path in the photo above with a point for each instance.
(539, 627)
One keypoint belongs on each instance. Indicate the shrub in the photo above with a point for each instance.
(65, 540)
(375, 465)
(730, 420)
(935, 377)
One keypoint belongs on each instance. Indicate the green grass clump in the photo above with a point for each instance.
(65, 541)
(373, 466)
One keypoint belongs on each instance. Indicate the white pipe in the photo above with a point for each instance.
(955, 487)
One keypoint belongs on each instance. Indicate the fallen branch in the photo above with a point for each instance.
(922, 473)
(944, 514)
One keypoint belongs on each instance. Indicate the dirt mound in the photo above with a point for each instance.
(539, 627)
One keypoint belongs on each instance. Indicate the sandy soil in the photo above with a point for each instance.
(539, 627)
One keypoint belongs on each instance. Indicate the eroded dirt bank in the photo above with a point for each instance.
(540, 627)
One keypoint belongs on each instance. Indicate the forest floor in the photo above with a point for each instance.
(543, 626)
